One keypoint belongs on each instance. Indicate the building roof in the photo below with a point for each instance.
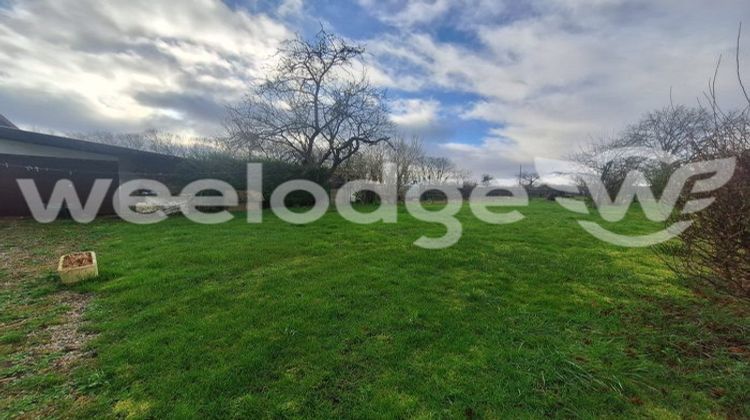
(4, 122)
(14, 134)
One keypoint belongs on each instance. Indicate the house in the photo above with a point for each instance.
(47, 159)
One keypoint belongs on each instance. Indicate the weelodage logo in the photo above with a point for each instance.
(146, 210)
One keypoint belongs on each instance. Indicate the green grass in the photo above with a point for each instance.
(330, 319)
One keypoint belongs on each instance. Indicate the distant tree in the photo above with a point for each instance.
(486, 179)
(675, 131)
(151, 140)
(437, 170)
(609, 162)
(467, 187)
(406, 156)
(528, 179)
(312, 109)
(367, 164)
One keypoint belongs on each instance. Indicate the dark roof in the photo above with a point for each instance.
(4, 122)
(80, 145)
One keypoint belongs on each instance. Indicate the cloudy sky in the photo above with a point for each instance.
(489, 83)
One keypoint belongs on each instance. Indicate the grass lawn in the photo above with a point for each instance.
(330, 319)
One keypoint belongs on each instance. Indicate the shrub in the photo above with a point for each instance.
(715, 250)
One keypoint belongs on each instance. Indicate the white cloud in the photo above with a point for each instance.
(408, 14)
(414, 114)
(423, 118)
(556, 73)
(494, 156)
(105, 58)
(292, 8)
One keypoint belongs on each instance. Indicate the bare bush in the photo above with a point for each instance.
(716, 248)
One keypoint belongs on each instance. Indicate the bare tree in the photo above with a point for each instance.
(406, 156)
(528, 179)
(464, 177)
(437, 170)
(151, 140)
(656, 145)
(312, 109)
(610, 161)
(674, 130)
(366, 164)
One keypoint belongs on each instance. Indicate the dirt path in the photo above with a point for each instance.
(42, 326)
